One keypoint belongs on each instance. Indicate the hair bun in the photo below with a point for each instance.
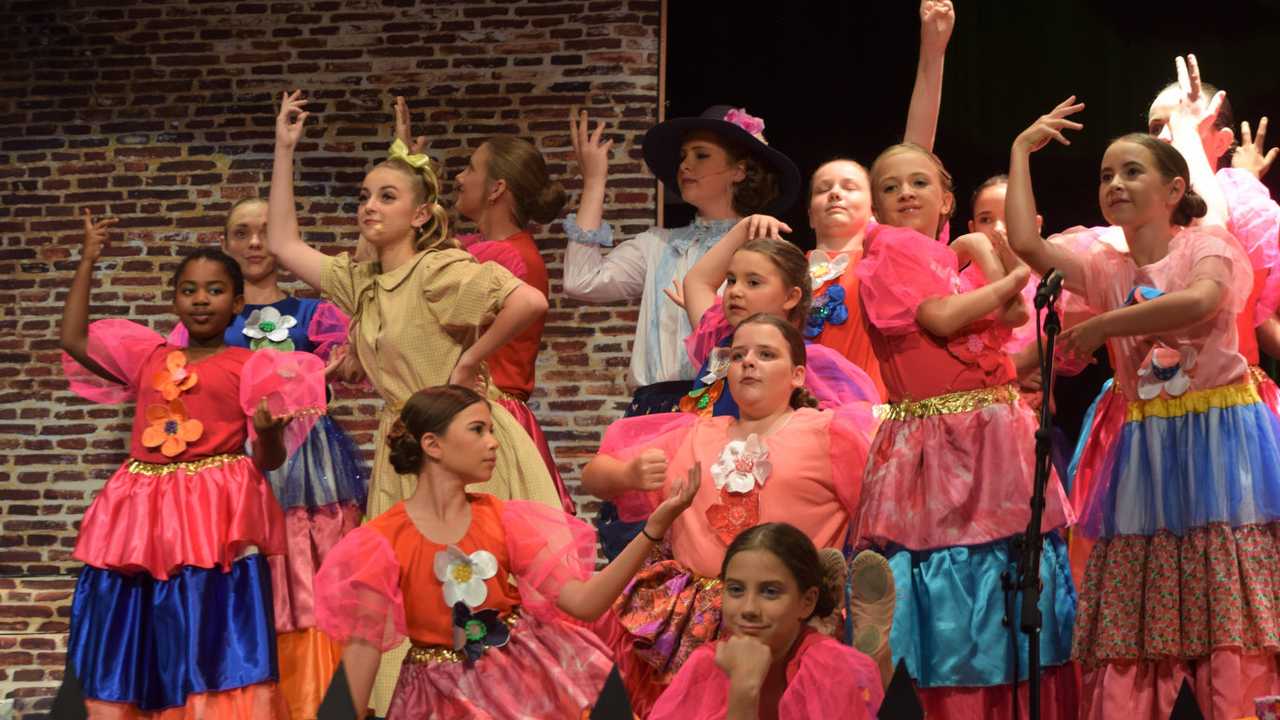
(834, 572)
(406, 453)
(550, 201)
(1190, 207)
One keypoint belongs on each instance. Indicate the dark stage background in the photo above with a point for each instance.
(834, 78)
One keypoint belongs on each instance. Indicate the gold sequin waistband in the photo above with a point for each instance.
(426, 654)
(1260, 376)
(951, 403)
(138, 467)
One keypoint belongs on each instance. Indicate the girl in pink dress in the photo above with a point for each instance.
(771, 662)
(779, 460)
(437, 568)
(1181, 584)
(950, 472)
(172, 616)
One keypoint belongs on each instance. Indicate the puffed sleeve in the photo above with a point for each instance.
(899, 271)
(628, 437)
(328, 329)
(464, 294)
(699, 691)
(358, 591)
(548, 548)
(712, 328)
(592, 276)
(1092, 264)
(341, 279)
(293, 385)
(121, 347)
(1213, 254)
(833, 680)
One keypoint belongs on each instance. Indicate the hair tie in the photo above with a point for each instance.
(400, 151)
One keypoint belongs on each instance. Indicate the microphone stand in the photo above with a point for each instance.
(1032, 542)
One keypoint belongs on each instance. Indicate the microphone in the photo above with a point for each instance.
(1049, 289)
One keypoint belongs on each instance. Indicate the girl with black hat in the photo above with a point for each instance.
(722, 165)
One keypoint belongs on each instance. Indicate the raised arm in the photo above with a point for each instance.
(947, 315)
(589, 599)
(404, 131)
(589, 274)
(703, 280)
(75, 313)
(937, 20)
(977, 248)
(1193, 112)
(283, 238)
(1020, 202)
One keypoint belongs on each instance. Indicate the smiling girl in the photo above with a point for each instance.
(176, 586)
(1185, 507)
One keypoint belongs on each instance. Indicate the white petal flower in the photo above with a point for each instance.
(717, 365)
(823, 267)
(463, 575)
(1166, 372)
(743, 464)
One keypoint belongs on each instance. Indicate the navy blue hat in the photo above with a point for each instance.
(662, 149)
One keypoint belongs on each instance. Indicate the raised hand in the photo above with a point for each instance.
(1082, 340)
(590, 149)
(290, 119)
(264, 422)
(675, 293)
(404, 131)
(765, 226)
(679, 498)
(95, 237)
(1049, 127)
(1194, 107)
(937, 20)
(1249, 155)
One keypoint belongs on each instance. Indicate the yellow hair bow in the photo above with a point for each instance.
(400, 151)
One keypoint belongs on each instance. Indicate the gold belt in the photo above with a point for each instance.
(138, 467)
(426, 654)
(950, 403)
(1260, 376)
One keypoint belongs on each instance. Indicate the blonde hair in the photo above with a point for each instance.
(944, 177)
(537, 197)
(433, 235)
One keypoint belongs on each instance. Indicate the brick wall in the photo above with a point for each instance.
(161, 113)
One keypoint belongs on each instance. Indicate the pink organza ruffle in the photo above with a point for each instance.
(156, 524)
(954, 479)
(310, 534)
(121, 347)
(899, 270)
(547, 548)
(293, 385)
(835, 382)
(828, 680)
(712, 328)
(357, 592)
(502, 253)
(328, 329)
(1059, 698)
(546, 670)
(1225, 686)
(1253, 217)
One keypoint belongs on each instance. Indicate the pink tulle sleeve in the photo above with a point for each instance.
(712, 328)
(1254, 218)
(178, 336)
(499, 252)
(833, 680)
(357, 592)
(1233, 271)
(1094, 261)
(628, 437)
(834, 381)
(900, 270)
(548, 548)
(699, 691)
(292, 383)
(121, 347)
(328, 329)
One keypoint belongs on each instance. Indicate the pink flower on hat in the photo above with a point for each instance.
(750, 123)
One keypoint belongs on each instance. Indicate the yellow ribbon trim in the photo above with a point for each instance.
(400, 151)
(1197, 401)
(951, 403)
(137, 467)
(426, 654)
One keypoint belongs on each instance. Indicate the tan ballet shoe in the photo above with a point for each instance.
(871, 604)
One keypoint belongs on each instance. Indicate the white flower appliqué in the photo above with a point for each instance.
(463, 575)
(717, 365)
(823, 268)
(1165, 371)
(742, 465)
(268, 328)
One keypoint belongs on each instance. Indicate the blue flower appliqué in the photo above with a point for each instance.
(828, 307)
(473, 633)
